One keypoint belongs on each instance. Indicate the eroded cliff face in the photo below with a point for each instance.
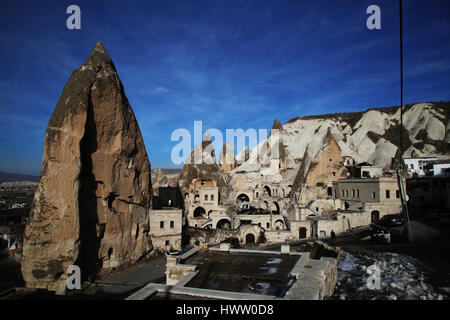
(314, 175)
(371, 136)
(91, 204)
(202, 164)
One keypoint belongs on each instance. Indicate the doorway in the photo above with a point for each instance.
(302, 233)
(250, 238)
(375, 216)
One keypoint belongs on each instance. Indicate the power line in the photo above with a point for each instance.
(401, 81)
(404, 197)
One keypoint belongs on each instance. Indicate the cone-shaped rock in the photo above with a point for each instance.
(91, 205)
(227, 161)
(278, 142)
(277, 125)
(201, 164)
(243, 156)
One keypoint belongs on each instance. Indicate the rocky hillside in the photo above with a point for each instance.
(162, 177)
(370, 136)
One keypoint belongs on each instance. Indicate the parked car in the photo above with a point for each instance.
(234, 242)
(391, 220)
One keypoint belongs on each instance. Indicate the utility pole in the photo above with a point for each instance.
(403, 195)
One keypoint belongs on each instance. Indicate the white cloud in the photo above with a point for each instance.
(160, 89)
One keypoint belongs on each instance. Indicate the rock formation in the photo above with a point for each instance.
(227, 161)
(315, 175)
(277, 125)
(371, 136)
(158, 180)
(201, 164)
(91, 205)
(243, 156)
(282, 149)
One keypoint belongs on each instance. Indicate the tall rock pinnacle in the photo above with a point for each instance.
(227, 161)
(277, 125)
(91, 204)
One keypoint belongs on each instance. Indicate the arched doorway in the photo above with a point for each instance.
(375, 215)
(199, 212)
(330, 191)
(242, 198)
(223, 224)
(276, 207)
(250, 238)
(279, 225)
(302, 233)
(267, 191)
(289, 190)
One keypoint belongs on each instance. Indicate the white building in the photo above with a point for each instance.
(418, 165)
(441, 168)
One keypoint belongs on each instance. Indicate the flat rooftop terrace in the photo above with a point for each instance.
(265, 274)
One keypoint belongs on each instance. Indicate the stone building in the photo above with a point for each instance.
(168, 197)
(166, 219)
(166, 228)
(377, 196)
(338, 221)
(323, 193)
(258, 202)
(353, 203)
(349, 204)
(202, 202)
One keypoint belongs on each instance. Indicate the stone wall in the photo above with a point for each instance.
(196, 236)
(269, 222)
(320, 205)
(384, 208)
(344, 222)
(295, 229)
(278, 236)
(175, 272)
(159, 243)
(316, 279)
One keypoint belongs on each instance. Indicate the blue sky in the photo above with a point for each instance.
(231, 63)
